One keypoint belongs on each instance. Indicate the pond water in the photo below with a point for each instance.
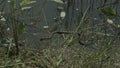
(44, 12)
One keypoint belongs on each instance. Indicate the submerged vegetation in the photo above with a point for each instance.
(78, 35)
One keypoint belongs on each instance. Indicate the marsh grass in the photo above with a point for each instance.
(70, 57)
